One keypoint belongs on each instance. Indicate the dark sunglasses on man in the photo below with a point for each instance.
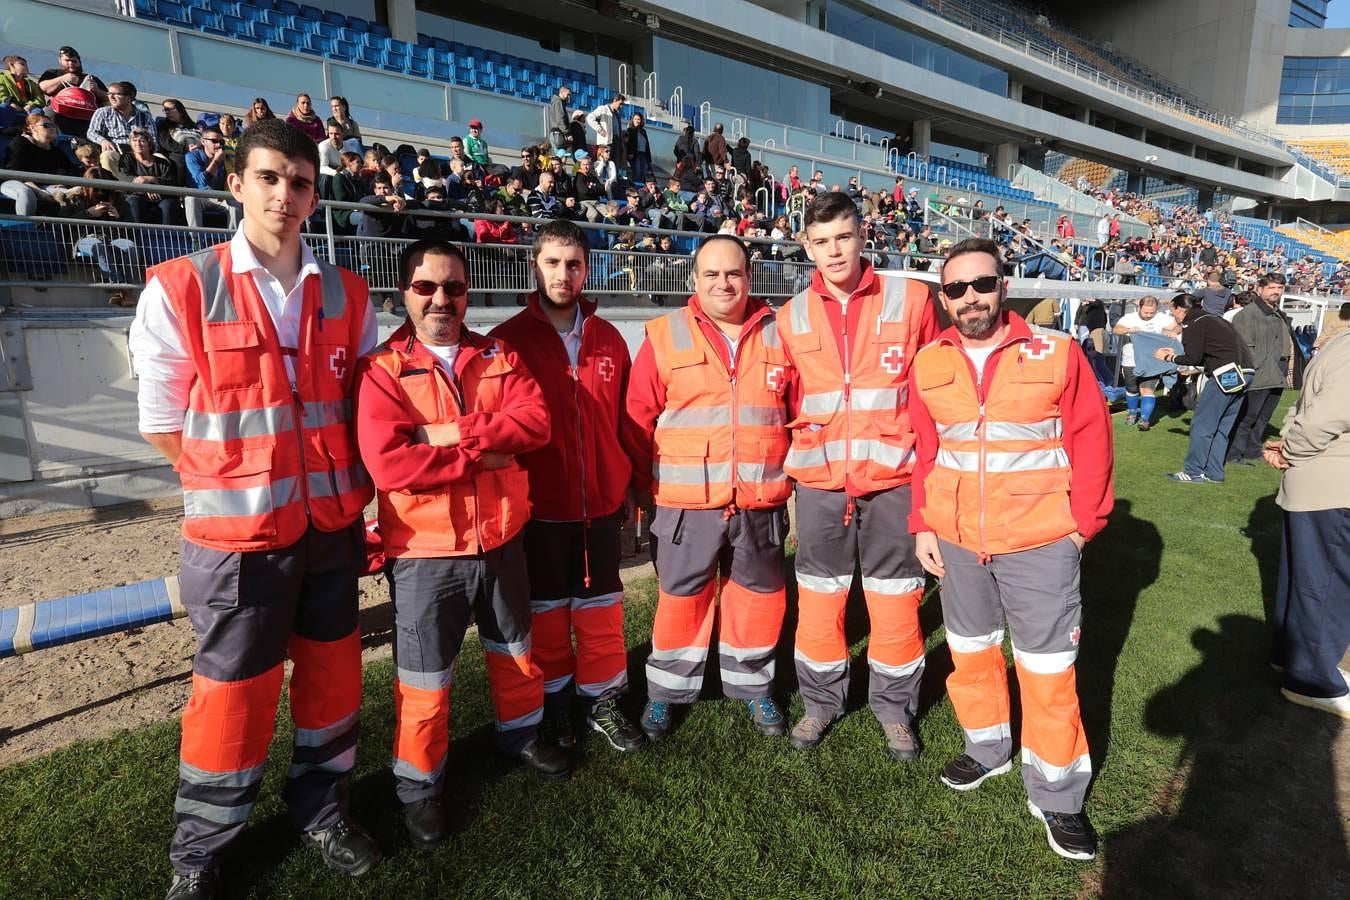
(985, 284)
(428, 288)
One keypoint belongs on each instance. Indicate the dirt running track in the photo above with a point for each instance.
(55, 697)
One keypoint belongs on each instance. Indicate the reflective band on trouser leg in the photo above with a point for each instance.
(602, 658)
(227, 726)
(517, 693)
(978, 687)
(895, 651)
(1056, 767)
(750, 627)
(326, 709)
(551, 642)
(421, 732)
(680, 636)
(821, 652)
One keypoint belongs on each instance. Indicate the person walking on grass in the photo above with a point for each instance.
(1013, 476)
(246, 354)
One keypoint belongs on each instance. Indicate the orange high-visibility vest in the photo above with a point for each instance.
(852, 427)
(470, 516)
(722, 437)
(262, 457)
(1000, 482)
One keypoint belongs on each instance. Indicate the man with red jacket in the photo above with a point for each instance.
(578, 486)
(707, 398)
(441, 415)
(246, 354)
(851, 336)
(1013, 477)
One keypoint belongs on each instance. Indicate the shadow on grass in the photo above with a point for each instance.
(1264, 528)
(1252, 810)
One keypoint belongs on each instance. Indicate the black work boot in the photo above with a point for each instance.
(346, 847)
(426, 822)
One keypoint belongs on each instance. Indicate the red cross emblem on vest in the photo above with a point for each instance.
(774, 378)
(1038, 348)
(605, 368)
(338, 362)
(1075, 635)
(893, 359)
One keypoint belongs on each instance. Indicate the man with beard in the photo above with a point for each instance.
(578, 485)
(442, 415)
(1002, 416)
(851, 336)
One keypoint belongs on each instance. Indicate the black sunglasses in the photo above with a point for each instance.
(428, 288)
(985, 284)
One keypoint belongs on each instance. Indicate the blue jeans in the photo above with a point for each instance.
(1312, 601)
(1215, 413)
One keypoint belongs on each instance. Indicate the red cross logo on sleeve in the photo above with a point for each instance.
(1038, 348)
(774, 378)
(893, 359)
(338, 362)
(605, 368)
(1075, 635)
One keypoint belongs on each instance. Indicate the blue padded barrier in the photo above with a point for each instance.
(64, 620)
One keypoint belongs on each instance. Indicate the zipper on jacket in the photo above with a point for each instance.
(575, 371)
(982, 395)
(300, 445)
(848, 417)
(735, 472)
(457, 396)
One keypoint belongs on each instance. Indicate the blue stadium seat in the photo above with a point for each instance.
(356, 23)
(312, 13)
(274, 17)
(351, 35)
(200, 4)
(442, 66)
(423, 39)
(345, 51)
(224, 7)
(442, 44)
(289, 7)
(263, 32)
(249, 12)
(394, 60)
(145, 9)
(206, 20)
(236, 27)
(369, 56)
(336, 19)
(381, 30)
(173, 13)
(318, 44)
(292, 40)
(418, 65)
(327, 29)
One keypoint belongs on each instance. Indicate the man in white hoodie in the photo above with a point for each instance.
(604, 121)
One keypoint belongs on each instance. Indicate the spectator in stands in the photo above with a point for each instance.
(475, 147)
(469, 195)
(511, 197)
(469, 164)
(689, 174)
(206, 172)
(558, 117)
(142, 165)
(638, 148)
(1090, 322)
(1240, 301)
(230, 132)
(35, 151)
(604, 121)
(176, 133)
(404, 186)
(715, 150)
(441, 227)
(385, 219)
(370, 164)
(606, 170)
(562, 182)
(674, 208)
(349, 188)
(19, 90)
(544, 203)
(588, 189)
(740, 157)
(330, 154)
(488, 232)
(94, 203)
(428, 171)
(72, 93)
(1064, 226)
(576, 134)
(342, 117)
(687, 146)
(1214, 297)
(111, 125)
(86, 157)
(258, 111)
(303, 117)
(1104, 229)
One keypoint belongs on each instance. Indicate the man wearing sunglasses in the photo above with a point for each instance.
(578, 486)
(1013, 476)
(851, 336)
(442, 414)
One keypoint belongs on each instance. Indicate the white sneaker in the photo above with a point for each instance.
(1337, 706)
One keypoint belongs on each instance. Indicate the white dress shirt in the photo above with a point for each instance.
(163, 365)
(572, 339)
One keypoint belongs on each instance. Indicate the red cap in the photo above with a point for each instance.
(475, 123)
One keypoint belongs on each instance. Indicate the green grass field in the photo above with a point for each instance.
(1209, 784)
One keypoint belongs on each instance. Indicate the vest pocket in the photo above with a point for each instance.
(682, 469)
(940, 498)
(232, 353)
(231, 496)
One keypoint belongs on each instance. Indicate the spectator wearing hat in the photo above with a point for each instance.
(474, 146)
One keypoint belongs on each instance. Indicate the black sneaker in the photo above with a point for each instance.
(426, 822)
(346, 847)
(203, 885)
(556, 728)
(966, 774)
(1069, 834)
(606, 718)
(547, 760)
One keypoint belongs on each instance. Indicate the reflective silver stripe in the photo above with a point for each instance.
(597, 602)
(890, 671)
(748, 679)
(994, 734)
(347, 480)
(959, 431)
(505, 648)
(769, 333)
(1025, 461)
(1045, 663)
(825, 584)
(243, 423)
(798, 315)
(406, 770)
(697, 473)
(215, 289)
(343, 762)
(863, 449)
(212, 812)
(543, 606)
(772, 416)
(243, 778)
(760, 473)
(743, 654)
(1045, 430)
(533, 717)
(317, 737)
(876, 399)
(327, 412)
(824, 668)
(881, 453)
(893, 299)
(679, 654)
(803, 458)
(1051, 772)
(673, 682)
(426, 681)
(249, 501)
(694, 417)
(822, 404)
(600, 688)
(334, 292)
(960, 643)
(553, 685)
(896, 586)
(681, 338)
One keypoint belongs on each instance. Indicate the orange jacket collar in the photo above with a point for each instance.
(1018, 330)
(536, 308)
(865, 283)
